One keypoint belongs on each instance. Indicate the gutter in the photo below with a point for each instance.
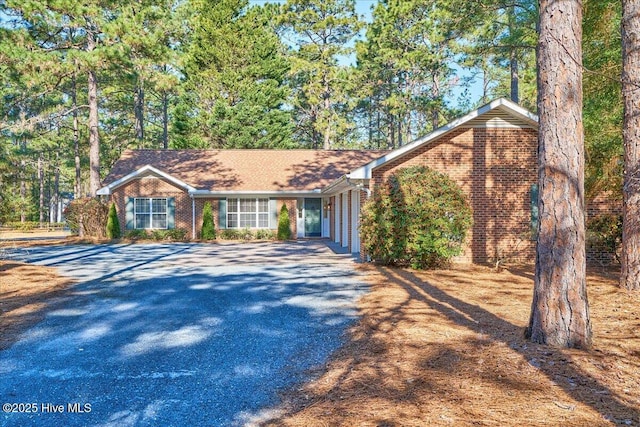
(255, 193)
(335, 183)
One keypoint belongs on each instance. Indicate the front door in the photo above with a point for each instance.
(312, 217)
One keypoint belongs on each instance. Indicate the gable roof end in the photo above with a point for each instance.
(139, 173)
(504, 105)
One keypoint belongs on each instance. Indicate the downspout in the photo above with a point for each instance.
(193, 217)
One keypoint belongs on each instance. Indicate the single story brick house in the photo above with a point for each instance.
(491, 153)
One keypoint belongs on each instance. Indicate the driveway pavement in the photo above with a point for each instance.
(177, 335)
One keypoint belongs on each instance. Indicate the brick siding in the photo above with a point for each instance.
(158, 187)
(154, 187)
(496, 168)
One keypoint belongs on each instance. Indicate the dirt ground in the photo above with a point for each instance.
(435, 348)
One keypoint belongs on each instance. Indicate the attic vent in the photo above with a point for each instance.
(498, 119)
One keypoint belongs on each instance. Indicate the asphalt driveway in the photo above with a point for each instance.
(179, 334)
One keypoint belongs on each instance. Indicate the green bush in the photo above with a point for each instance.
(604, 234)
(172, 234)
(284, 224)
(265, 234)
(230, 234)
(245, 234)
(177, 234)
(208, 228)
(137, 234)
(418, 218)
(113, 224)
(22, 226)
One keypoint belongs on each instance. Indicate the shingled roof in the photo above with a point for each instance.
(246, 170)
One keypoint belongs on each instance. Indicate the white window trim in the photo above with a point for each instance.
(149, 200)
(239, 212)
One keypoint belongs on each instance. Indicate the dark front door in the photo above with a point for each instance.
(312, 217)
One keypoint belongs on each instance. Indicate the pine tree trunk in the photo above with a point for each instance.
(165, 120)
(77, 192)
(560, 310)
(23, 192)
(94, 136)
(513, 62)
(139, 112)
(55, 217)
(630, 256)
(41, 190)
(515, 80)
(435, 93)
(327, 110)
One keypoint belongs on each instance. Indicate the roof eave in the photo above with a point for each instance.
(270, 193)
(364, 172)
(108, 189)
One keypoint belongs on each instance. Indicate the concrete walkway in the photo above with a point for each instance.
(177, 334)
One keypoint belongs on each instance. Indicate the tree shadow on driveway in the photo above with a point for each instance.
(147, 341)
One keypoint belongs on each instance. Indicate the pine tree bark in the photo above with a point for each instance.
(94, 136)
(327, 110)
(515, 79)
(77, 191)
(560, 310)
(55, 217)
(165, 120)
(630, 253)
(40, 189)
(23, 184)
(513, 60)
(139, 112)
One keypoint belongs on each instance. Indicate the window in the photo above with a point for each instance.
(150, 213)
(247, 213)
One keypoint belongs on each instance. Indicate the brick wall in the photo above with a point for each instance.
(157, 187)
(496, 168)
(215, 205)
(154, 187)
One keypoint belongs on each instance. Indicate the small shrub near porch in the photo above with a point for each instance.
(208, 228)
(113, 224)
(418, 218)
(284, 224)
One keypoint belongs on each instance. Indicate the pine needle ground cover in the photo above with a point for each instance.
(440, 347)
(446, 347)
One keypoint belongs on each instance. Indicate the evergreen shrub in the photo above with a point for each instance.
(113, 224)
(137, 234)
(604, 235)
(208, 228)
(284, 224)
(418, 217)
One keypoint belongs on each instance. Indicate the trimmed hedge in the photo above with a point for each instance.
(173, 234)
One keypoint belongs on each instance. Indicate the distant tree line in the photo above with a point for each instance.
(83, 81)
